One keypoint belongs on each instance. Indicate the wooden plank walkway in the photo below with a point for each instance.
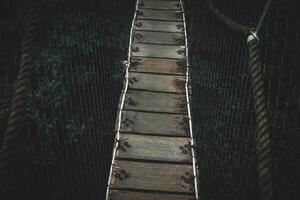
(153, 156)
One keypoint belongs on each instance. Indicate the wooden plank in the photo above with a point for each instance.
(153, 176)
(155, 123)
(158, 38)
(158, 65)
(150, 4)
(158, 51)
(157, 82)
(154, 25)
(156, 102)
(167, 15)
(157, 148)
(129, 195)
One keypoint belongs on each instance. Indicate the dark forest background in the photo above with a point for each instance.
(65, 149)
(66, 144)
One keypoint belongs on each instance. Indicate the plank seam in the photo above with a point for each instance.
(155, 112)
(156, 91)
(154, 134)
(160, 57)
(157, 31)
(162, 9)
(156, 73)
(161, 20)
(151, 43)
(151, 191)
(154, 161)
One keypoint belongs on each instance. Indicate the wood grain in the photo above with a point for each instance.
(155, 102)
(152, 176)
(158, 38)
(129, 195)
(157, 82)
(158, 51)
(162, 26)
(157, 148)
(167, 15)
(158, 65)
(155, 123)
(173, 5)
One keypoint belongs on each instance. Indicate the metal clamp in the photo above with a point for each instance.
(186, 148)
(127, 122)
(133, 80)
(139, 24)
(142, 3)
(135, 49)
(181, 51)
(179, 26)
(138, 36)
(140, 13)
(122, 175)
(178, 5)
(129, 101)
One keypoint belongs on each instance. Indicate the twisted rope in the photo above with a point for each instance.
(18, 109)
(263, 136)
(260, 106)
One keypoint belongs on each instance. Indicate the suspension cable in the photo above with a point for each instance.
(240, 28)
(263, 16)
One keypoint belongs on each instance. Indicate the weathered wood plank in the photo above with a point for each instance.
(156, 102)
(157, 82)
(158, 38)
(150, 4)
(153, 25)
(157, 148)
(129, 195)
(153, 176)
(168, 15)
(158, 65)
(155, 123)
(158, 51)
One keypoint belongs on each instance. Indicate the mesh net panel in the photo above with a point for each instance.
(223, 114)
(73, 101)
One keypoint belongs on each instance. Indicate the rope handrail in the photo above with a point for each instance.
(18, 108)
(260, 106)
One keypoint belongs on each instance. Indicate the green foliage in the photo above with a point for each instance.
(47, 101)
(63, 66)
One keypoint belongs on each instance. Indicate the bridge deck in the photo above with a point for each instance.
(153, 154)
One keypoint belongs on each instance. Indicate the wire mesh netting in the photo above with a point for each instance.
(72, 103)
(223, 114)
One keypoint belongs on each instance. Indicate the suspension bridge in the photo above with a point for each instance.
(153, 157)
(149, 100)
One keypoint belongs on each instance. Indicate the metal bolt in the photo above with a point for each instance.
(179, 26)
(126, 176)
(181, 51)
(140, 13)
(141, 4)
(126, 144)
(118, 176)
(135, 49)
(139, 24)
